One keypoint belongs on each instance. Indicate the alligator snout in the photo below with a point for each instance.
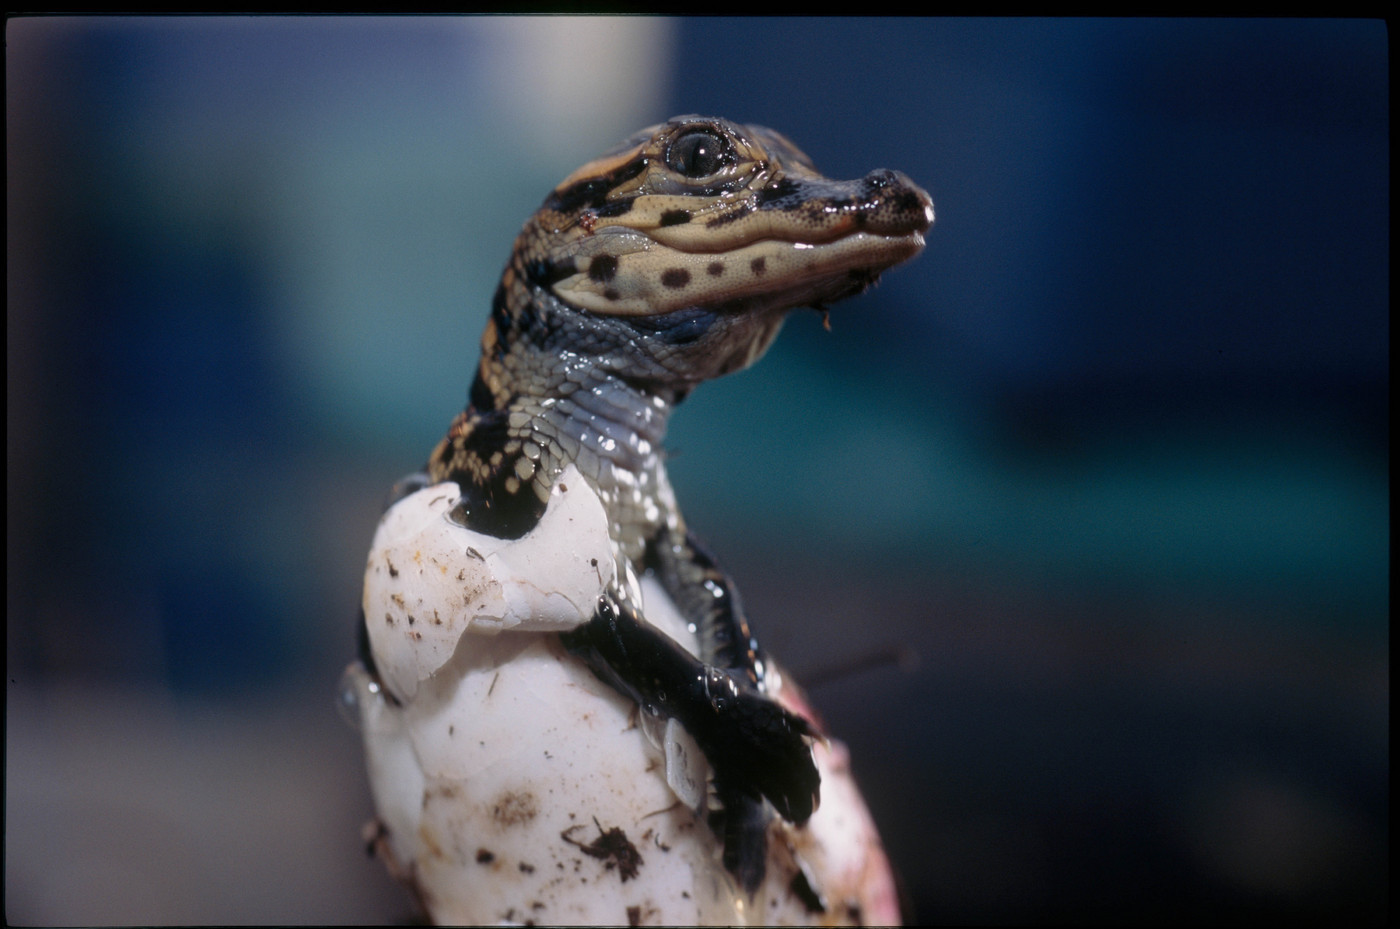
(894, 205)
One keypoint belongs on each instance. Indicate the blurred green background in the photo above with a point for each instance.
(1111, 458)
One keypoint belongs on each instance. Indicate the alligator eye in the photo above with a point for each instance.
(699, 153)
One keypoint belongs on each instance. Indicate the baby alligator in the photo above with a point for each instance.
(670, 260)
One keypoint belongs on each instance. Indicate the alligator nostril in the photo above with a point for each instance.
(880, 178)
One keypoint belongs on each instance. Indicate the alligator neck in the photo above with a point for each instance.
(539, 404)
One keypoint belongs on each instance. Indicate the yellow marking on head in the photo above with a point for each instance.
(601, 167)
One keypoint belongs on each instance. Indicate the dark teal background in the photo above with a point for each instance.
(1111, 457)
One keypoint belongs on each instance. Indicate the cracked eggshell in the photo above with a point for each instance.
(838, 850)
(429, 579)
(513, 786)
(537, 798)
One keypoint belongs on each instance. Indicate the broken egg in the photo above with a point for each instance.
(514, 787)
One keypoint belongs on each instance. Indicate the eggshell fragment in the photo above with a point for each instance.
(429, 579)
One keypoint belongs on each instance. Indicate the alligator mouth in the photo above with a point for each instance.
(657, 279)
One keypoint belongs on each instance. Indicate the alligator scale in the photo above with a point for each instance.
(557, 681)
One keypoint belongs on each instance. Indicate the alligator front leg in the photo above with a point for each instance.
(703, 592)
(704, 595)
(757, 749)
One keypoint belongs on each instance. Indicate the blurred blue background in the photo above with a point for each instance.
(1111, 457)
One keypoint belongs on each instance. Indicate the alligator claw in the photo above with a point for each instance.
(757, 746)
(743, 826)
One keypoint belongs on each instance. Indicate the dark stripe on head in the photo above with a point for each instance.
(546, 273)
(593, 193)
(783, 195)
(737, 213)
(615, 208)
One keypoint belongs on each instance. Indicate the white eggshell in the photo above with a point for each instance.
(513, 786)
(429, 580)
